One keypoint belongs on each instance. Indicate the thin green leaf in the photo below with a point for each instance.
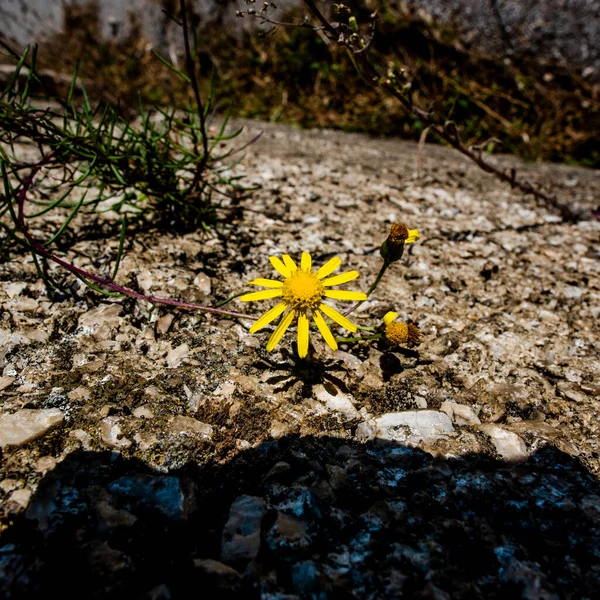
(67, 220)
(73, 84)
(16, 72)
(172, 67)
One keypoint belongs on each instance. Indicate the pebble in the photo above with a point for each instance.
(45, 464)
(80, 393)
(176, 356)
(143, 412)
(287, 530)
(365, 431)
(241, 535)
(164, 323)
(21, 497)
(83, 437)
(5, 381)
(509, 445)
(202, 283)
(336, 401)
(414, 426)
(278, 429)
(14, 289)
(180, 425)
(8, 485)
(460, 413)
(101, 320)
(27, 424)
(159, 592)
(111, 433)
(215, 567)
(145, 440)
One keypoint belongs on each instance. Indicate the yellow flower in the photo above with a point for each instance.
(303, 291)
(393, 246)
(397, 333)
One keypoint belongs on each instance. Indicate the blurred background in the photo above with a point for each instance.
(526, 72)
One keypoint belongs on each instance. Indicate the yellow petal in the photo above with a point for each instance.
(389, 317)
(269, 316)
(337, 317)
(302, 335)
(324, 329)
(341, 278)
(270, 283)
(289, 263)
(306, 262)
(279, 266)
(344, 295)
(413, 236)
(262, 295)
(281, 329)
(329, 267)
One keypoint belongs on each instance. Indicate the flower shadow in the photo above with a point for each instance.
(303, 372)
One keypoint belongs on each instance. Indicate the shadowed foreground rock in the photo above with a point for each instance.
(311, 518)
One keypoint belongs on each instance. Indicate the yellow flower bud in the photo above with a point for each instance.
(393, 247)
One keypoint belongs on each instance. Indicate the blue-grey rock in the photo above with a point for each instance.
(241, 534)
(162, 493)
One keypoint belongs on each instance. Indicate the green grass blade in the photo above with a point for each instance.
(172, 67)
(67, 220)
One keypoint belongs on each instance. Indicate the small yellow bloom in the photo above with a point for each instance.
(393, 247)
(302, 291)
(397, 333)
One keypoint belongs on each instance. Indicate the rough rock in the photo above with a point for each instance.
(27, 424)
(509, 445)
(180, 425)
(111, 433)
(491, 286)
(336, 401)
(414, 426)
(161, 493)
(176, 356)
(241, 534)
(460, 414)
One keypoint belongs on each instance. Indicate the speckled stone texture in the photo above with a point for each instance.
(168, 424)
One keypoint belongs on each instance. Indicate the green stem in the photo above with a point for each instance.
(373, 287)
(342, 340)
(227, 300)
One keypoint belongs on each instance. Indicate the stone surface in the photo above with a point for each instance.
(176, 356)
(5, 381)
(241, 534)
(26, 425)
(180, 425)
(111, 433)
(460, 414)
(509, 445)
(101, 321)
(162, 493)
(336, 401)
(506, 295)
(414, 426)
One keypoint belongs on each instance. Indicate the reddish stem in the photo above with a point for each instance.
(39, 248)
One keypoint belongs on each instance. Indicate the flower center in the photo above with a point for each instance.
(397, 333)
(302, 290)
(398, 233)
